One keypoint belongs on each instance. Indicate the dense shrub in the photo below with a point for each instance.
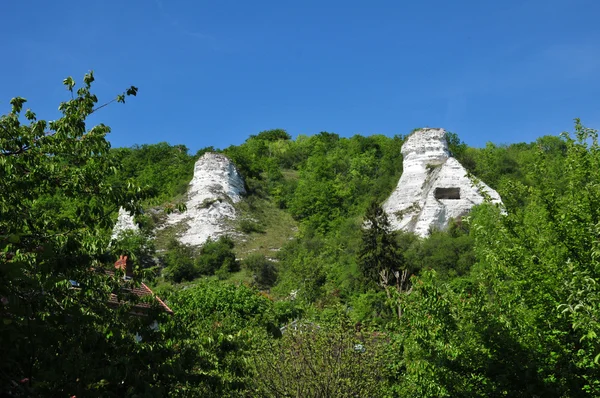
(264, 271)
(179, 261)
(215, 255)
(324, 359)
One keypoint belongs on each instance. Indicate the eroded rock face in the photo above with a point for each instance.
(434, 186)
(215, 187)
(124, 223)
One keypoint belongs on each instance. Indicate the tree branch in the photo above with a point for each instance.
(17, 152)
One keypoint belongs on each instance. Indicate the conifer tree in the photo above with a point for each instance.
(379, 249)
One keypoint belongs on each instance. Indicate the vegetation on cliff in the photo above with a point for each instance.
(307, 299)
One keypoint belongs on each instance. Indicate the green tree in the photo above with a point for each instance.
(138, 246)
(302, 269)
(219, 324)
(218, 254)
(165, 169)
(525, 324)
(379, 249)
(330, 358)
(59, 337)
(448, 252)
(273, 135)
(264, 271)
(179, 262)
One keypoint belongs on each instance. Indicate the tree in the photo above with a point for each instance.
(163, 168)
(272, 135)
(179, 260)
(59, 337)
(526, 322)
(449, 252)
(264, 270)
(215, 255)
(379, 250)
(137, 245)
(325, 358)
(219, 323)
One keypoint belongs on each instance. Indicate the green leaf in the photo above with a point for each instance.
(69, 82)
(132, 91)
(88, 78)
(30, 115)
(14, 238)
(17, 104)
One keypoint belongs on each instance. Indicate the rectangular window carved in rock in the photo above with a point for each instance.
(447, 193)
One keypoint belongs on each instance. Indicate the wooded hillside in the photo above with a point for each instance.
(305, 301)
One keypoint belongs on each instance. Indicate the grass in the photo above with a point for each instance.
(241, 276)
(290, 174)
(261, 227)
(276, 228)
(162, 237)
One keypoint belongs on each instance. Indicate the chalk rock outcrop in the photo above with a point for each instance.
(124, 223)
(215, 187)
(434, 186)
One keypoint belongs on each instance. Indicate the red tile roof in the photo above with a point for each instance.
(139, 291)
(130, 288)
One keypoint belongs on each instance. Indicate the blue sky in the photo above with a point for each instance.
(212, 73)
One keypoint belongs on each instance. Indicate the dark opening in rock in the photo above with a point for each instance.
(447, 193)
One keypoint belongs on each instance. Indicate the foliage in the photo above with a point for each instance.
(55, 207)
(499, 304)
(263, 270)
(249, 226)
(379, 250)
(330, 359)
(302, 270)
(337, 179)
(448, 252)
(456, 147)
(371, 307)
(524, 325)
(273, 135)
(184, 263)
(179, 262)
(215, 255)
(165, 169)
(138, 246)
(219, 324)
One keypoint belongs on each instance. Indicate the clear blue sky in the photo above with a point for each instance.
(214, 72)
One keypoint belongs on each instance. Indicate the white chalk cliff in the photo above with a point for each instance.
(434, 186)
(124, 223)
(215, 187)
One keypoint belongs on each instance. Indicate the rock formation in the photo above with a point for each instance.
(124, 222)
(215, 187)
(434, 186)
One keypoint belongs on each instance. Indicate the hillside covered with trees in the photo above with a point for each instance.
(306, 300)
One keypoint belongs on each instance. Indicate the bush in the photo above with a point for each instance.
(138, 246)
(179, 261)
(215, 255)
(313, 360)
(264, 271)
(222, 273)
(249, 226)
(220, 323)
(371, 307)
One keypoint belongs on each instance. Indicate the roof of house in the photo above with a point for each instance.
(129, 288)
